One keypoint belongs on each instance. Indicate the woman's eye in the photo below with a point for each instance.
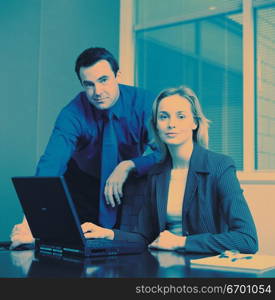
(162, 117)
(181, 116)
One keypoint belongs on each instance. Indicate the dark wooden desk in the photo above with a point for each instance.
(150, 264)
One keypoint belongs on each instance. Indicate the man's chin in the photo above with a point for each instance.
(101, 106)
(104, 104)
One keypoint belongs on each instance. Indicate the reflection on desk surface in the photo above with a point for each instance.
(117, 266)
(150, 264)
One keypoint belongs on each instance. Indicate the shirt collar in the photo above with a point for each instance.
(117, 108)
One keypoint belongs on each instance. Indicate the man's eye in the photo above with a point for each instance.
(103, 80)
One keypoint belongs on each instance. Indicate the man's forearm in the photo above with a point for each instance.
(144, 163)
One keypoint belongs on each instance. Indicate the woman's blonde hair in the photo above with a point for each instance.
(200, 134)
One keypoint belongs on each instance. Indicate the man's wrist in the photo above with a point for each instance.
(129, 165)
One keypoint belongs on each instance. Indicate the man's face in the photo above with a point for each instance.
(100, 84)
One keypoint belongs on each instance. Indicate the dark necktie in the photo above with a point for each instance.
(109, 160)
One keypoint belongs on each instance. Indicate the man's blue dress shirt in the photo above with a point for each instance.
(77, 134)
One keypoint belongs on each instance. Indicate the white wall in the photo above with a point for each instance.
(261, 200)
(40, 40)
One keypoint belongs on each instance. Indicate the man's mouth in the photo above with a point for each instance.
(100, 100)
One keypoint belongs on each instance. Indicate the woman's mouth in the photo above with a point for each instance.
(171, 134)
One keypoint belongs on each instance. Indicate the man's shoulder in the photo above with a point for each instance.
(135, 91)
(74, 109)
(131, 88)
(137, 97)
(76, 105)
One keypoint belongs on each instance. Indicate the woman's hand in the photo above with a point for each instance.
(168, 241)
(91, 230)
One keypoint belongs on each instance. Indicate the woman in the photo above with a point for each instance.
(194, 200)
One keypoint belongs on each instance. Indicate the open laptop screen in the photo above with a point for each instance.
(49, 210)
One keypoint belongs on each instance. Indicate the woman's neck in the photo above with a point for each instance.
(181, 154)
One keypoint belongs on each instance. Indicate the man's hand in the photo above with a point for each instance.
(91, 230)
(21, 234)
(114, 184)
(168, 241)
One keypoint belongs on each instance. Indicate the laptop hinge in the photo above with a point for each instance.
(50, 248)
(58, 250)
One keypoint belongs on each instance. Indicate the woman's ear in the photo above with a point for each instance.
(195, 124)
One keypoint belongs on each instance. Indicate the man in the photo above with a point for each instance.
(105, 114)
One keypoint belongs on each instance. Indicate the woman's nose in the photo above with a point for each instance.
(171, 124)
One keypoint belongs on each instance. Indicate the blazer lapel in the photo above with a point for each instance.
(190, 188)
(197, 165)
(162, 186)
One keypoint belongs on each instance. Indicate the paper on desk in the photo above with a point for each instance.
(257, 264)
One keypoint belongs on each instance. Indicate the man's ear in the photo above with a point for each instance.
(118, 76)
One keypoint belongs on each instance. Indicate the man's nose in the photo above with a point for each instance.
(98, 89)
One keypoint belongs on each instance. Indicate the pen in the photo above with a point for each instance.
(245, 257)
(235, 254)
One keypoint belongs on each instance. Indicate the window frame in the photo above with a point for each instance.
(128, 30)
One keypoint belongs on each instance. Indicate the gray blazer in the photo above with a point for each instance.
(215, 215)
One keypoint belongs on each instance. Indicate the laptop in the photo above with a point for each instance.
(54, 223)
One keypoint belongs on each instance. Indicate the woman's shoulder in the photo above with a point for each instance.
(203, 159)
(218, 160)
(213, 155)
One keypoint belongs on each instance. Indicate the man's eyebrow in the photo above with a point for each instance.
(88, 81)
(103, 77)
(98, 79)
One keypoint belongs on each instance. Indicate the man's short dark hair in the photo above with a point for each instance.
(91, 56)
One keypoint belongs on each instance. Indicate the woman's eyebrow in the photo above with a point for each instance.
(163, 111)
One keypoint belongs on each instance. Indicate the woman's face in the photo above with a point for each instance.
(175, 121)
